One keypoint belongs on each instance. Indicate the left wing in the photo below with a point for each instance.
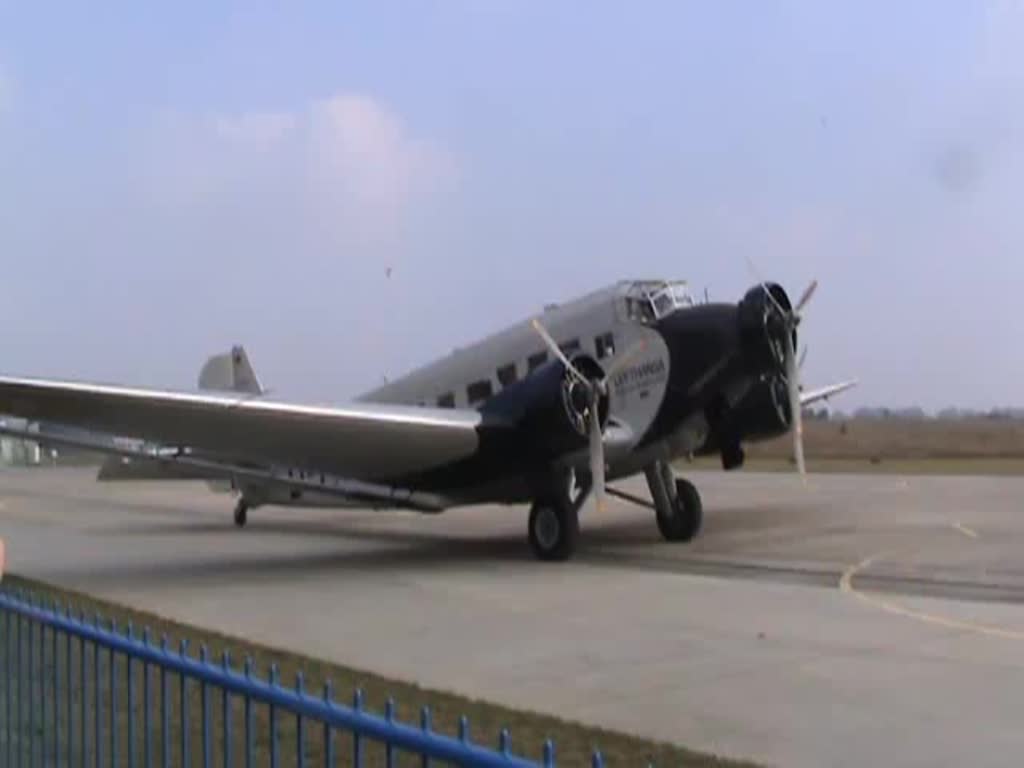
(368, 442)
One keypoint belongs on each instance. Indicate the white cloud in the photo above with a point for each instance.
(258, 131)
(344, 164)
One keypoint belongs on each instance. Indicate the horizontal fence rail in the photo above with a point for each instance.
(71, 694)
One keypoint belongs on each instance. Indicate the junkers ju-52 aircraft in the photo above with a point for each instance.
(621, 381)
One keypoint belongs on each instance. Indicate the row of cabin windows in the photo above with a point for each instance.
(604, 346)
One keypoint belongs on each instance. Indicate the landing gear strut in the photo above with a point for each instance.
(677, 503)
(241, 513)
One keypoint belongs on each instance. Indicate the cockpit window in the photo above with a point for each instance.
(647, 302)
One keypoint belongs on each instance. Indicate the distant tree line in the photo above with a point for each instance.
(915, 413)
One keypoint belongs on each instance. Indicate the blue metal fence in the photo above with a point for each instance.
(62, 678)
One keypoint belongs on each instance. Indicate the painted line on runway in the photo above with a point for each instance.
(965, 530)
(846, 586)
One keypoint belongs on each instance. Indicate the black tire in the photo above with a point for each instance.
(553, 530)
(241, 513)
(687, 514)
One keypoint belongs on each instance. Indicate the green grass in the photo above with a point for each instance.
(574, 742)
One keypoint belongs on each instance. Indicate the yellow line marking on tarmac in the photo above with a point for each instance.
(846, 586)
(965, 530)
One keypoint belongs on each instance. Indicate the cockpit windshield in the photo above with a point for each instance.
(648, 302)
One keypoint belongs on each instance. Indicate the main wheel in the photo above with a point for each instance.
(553, 530)
(241, 513)
(686, 516)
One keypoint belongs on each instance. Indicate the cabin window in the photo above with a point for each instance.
(507, 374)
(536, 361)
(571, 346)
(479, 390)
(447, 400)
(604, 346)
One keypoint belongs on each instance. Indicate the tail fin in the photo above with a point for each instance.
(230, 371)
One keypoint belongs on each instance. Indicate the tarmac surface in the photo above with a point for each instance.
(860, 620)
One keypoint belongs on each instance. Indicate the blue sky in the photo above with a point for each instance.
(176, 180)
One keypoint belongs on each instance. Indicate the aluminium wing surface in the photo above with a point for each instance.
(364, 441)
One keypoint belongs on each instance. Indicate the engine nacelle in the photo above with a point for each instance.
(551, 409)
(763, 328)
(764, 413)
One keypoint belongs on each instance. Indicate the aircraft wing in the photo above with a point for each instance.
(824, 393)
(364, 441)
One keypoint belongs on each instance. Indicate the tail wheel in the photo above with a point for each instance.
(241, 513)
(687, 513)
(553, 530)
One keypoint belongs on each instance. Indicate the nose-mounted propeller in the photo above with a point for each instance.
(595, 389)
(791, 319)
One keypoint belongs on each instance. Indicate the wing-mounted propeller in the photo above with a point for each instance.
(589, 396)
(791, 319)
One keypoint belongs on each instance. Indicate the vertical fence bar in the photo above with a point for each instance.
(549, 754)
(42, 696)
(226, 714)
(113, 700)
(248, 715)
(8, 654)
(97, 720)
(20, 671)
(505, 742)
(328, 735)
(300, 740)
(71, 694)
(205, 707)
(165, 708)
(357, 740)
(83, 739)
(425, 726)
(31, 691)
(389, 748)
(184, 710)
(130, 682)
(56, 693)
(147, 723)
(273, 720)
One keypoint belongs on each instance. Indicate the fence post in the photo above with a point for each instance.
(328, 736)
(425, 726)
(549, 754)
(186, 753)
(357, 741)
(113, 698)
(165, 707)
(300, 730)
(147, 754)
(273, 719)
(389, 750)
(130, 680)
(226, 714)
(248, 715)
(205, 707)
(97, 681)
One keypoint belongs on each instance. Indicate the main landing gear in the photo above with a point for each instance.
(554, 526)
(677, 503)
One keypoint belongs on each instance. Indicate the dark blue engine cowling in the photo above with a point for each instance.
(548, 408)
(763, 328)
(763, 414)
